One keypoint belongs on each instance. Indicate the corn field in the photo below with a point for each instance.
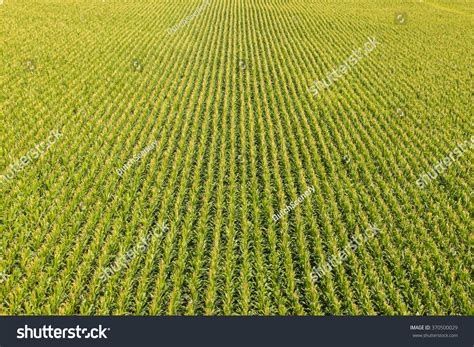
(147, 145)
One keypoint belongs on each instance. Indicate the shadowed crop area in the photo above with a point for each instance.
(236, 157)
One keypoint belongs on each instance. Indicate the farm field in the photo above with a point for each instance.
(236, 157)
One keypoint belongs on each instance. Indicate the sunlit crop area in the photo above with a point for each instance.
(236, 157)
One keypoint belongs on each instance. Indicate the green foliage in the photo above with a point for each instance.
(238, 137)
